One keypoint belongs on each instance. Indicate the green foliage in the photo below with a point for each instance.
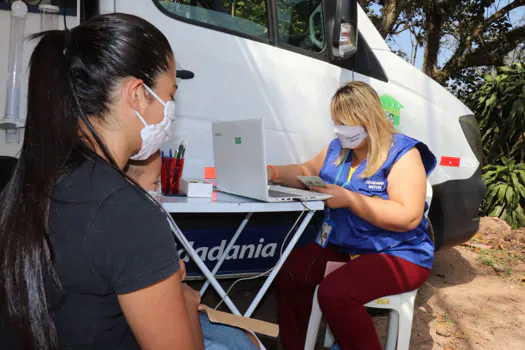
(499, 105)
(505, 191)
(292, 16)
(466, 83)
(252, 10)
(294, 27)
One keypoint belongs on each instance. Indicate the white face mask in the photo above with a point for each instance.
(350, 136)
(155, 135)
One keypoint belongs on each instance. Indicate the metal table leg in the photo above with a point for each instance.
(226, 251)
(209, 276)
(272, 275)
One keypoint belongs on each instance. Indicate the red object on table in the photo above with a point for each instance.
(209, 173)
(170, 175)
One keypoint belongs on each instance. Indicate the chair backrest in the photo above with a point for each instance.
(428, 200)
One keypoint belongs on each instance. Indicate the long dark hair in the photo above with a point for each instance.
(73, 75)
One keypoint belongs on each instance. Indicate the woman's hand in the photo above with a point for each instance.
(192, 298)
(406, 189)
(339, 197)
(286, 175)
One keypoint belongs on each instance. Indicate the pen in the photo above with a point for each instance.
(179, 151)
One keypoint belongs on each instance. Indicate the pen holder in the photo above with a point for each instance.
(170, 176)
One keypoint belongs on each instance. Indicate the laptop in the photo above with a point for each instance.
(240, 163)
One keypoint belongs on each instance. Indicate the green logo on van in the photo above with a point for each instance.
(238, 140)
(392, 109)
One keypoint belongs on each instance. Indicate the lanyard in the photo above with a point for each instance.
(341, 168)
(351, 172)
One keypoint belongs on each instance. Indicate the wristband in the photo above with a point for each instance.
(274, 177)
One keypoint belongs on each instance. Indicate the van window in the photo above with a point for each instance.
(301, 24)
(364, 61)
(246, 17)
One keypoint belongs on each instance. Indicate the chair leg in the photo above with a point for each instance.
(313, 324)
(393, 326)
(405, 325)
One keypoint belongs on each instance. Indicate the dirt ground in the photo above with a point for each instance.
(475, 297)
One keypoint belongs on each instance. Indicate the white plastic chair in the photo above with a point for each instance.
(401, 308)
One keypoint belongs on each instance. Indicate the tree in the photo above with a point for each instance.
(461, 39)
(481, 32)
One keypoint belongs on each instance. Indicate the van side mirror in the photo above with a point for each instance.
(344, 38)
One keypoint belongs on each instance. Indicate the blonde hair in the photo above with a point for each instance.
(357, 103)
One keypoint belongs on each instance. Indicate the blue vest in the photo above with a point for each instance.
(354, 235)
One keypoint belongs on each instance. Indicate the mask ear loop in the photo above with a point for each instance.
(158, 99)
(161, 101)
(155, 95)
(140, 117)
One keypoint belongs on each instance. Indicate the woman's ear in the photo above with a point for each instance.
(136, 94)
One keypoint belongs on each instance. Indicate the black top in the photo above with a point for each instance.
(108, 239)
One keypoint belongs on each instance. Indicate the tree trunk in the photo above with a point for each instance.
(434, 21)
(389, 14)
(489, 54)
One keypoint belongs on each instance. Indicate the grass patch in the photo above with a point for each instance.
(503, 260)
(486, 258)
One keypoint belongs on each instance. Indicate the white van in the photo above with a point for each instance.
(282, 60)
(284, 65)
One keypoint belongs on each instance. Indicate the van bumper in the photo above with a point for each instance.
(454, 212)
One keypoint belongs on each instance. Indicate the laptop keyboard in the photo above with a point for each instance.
(279, 194)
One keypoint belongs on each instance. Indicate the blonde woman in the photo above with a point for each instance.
(374, 222)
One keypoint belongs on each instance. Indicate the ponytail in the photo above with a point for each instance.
(26, 253)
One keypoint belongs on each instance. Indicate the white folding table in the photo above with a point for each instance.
(227, 203)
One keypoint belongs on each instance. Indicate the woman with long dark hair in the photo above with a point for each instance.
(87, 258)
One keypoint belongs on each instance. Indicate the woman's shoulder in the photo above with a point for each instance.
(334, 145)
(403, 139)
(97, 186)
(90, 180)
(404, 143)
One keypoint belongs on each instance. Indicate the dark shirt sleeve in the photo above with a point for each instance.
(131, 242)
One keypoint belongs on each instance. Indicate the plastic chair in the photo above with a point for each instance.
(401, 308)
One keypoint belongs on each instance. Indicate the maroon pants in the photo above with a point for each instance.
(341, 294)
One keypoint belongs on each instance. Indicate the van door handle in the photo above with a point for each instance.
(185, 74)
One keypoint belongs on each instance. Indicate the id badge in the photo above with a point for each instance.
(324, 233)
